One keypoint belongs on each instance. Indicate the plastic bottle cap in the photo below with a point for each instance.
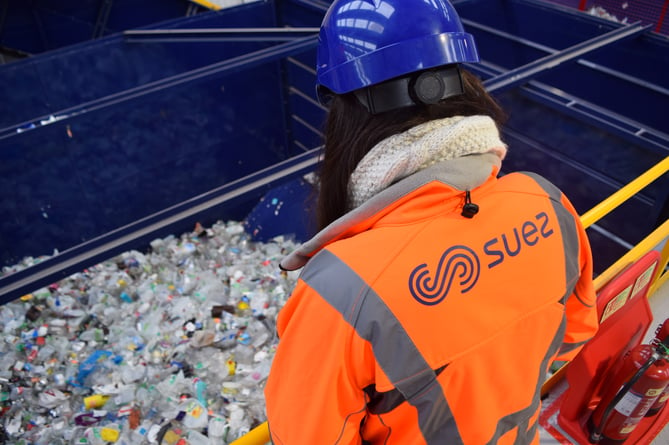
(109, 434)
(95, 401)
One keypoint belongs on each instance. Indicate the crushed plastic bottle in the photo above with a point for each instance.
(170, 344)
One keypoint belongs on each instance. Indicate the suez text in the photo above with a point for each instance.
(529, 233)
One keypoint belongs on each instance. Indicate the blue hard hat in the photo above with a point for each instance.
(365, 42)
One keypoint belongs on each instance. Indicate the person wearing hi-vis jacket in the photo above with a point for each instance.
(436, 293)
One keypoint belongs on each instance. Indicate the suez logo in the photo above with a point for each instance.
(461, 263)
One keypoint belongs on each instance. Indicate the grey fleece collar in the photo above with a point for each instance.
(464, 173)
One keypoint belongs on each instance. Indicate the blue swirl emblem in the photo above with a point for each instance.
(458, 263)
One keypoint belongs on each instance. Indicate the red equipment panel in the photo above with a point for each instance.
(625, 317)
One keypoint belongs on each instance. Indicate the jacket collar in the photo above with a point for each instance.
(464, 173)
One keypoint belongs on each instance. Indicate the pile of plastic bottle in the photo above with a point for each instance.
(171, 346)
(598, 11)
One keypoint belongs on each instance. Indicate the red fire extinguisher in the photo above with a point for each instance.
(661, 333)
(643, 377)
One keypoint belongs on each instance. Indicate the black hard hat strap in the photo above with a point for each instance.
(424, 87)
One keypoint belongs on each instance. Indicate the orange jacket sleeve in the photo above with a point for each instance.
(323, 403)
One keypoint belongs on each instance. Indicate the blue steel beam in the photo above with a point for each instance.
(280, 51)
(630, 129)
(524, 73)
(217, 34)
(572, 105)
(547, 49)
(316, 5)
(103, 18)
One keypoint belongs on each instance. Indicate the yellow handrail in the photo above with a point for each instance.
(260, 435)
(645, 245)
(208, 4)
(605, 207)
(257, 436)
(650, 242)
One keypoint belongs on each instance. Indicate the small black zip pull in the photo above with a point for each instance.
(469, 209)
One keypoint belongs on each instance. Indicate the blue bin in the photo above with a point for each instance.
(108, 144)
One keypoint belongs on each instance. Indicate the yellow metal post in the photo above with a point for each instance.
(645, 245)
(661, 276)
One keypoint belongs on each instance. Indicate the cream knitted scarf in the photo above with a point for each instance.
(419, 147)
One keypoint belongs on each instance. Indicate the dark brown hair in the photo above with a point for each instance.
(350, 132)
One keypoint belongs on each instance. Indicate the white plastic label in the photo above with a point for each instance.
(628, 403)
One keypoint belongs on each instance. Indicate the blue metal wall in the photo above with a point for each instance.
(141, 126)
(36, 26)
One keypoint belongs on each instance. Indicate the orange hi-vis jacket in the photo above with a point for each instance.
(412, 324)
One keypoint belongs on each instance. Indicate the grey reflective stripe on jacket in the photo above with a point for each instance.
(394, 351)
(570, 245)
(507, 423)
